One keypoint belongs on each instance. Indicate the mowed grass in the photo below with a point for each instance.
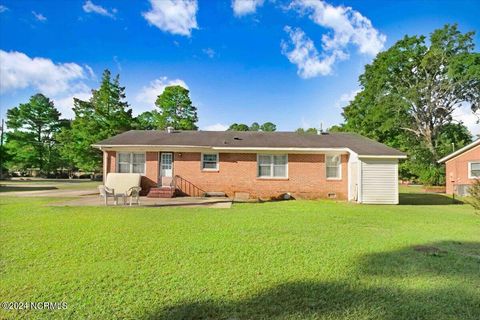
(279, 260)
(46, 184)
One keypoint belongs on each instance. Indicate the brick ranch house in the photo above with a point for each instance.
(257, 164)
(462, 168)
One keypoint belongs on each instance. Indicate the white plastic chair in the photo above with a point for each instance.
(121, 185)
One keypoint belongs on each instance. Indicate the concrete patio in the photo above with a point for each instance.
(96, 200)
(80, 195)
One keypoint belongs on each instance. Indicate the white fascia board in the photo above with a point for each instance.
(284, 150)
(182, 148)
(460, 151)
(139, 147)
(220, 149)
(382, 157)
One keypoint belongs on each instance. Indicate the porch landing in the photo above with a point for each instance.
(210, 202)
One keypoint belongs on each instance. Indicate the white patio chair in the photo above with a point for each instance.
(121, 185)
(134, 193)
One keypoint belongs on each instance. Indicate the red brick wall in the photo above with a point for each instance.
(238, 173)
(457, 168)
(151, 171)
(109, 164)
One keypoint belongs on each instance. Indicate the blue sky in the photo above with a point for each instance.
(295, 63)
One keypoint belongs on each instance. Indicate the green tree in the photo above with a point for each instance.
(104, 115)
(268, 127)
(410, 92)
(306, 131)
(254, 127)
(474, 191)
(146, 120)
(176, 109)
(238, 127)
(30, 141)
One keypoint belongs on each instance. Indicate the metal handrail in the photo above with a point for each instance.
(186, 187)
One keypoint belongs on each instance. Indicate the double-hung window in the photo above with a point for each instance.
(129, 162)
(210, 161)
(334, 167)
(272, 166)
(474, 170)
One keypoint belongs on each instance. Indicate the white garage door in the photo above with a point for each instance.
(379, 181)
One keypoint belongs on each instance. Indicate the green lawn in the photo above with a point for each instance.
(280, 260)
(46, 184)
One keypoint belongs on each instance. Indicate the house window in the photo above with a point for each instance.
(334, 167)
(272, 166)
(209, 161)
(474, 170)
(129, 162)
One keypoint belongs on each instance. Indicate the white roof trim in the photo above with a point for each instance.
(382, 157)
(241, 149)
(460, 151)
(282, 149)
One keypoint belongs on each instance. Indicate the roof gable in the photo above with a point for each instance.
(460, 151)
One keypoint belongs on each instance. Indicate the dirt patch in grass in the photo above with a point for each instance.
(430, 250)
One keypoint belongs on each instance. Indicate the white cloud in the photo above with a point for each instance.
(348, 27)
(148, 94)
(347, 24)
(216, 127)
(346, 98)
(307, 58)
(64, 103)
(174, 16)
(464, 114)
(3, 8)
(117, 63)
(90, 7)
(244, 7)
(39, 16)
(19, 71)
(90, 71)
(209, 52)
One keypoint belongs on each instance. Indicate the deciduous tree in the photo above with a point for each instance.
(238, 127)
(410, 92)
(268, 127)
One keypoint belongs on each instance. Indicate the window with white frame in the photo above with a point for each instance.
(272, 166)
(334, 167)
(129, 162)
(209, 161)
(474, 170)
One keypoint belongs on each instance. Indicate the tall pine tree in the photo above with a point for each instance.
(104, 115)
(31, 137)
(176, 109)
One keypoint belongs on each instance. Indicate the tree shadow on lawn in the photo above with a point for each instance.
(353, 300)
(445, 258)
(11, 188)
(426, 199)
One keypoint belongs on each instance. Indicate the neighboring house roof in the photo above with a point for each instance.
(460, 151)
(244, 140)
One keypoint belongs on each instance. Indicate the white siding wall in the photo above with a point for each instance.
(353, 177)
(379, 179)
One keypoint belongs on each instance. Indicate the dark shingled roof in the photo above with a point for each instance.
(251, 139)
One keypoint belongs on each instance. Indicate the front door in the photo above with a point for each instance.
(166, 168)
